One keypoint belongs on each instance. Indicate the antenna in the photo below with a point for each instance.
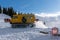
(2, 10)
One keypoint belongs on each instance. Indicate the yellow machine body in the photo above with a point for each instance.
(17, 18)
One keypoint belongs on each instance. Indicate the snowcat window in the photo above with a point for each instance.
(14, 17)
(30, 17)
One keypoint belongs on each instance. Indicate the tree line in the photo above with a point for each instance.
(8, 11)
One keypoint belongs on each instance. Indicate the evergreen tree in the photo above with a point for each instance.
(0, 9)
(10, 11)
(5, 10)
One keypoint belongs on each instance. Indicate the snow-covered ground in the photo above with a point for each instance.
(25, 34)
(8, 33)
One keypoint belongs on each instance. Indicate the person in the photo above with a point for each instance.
(54, 31)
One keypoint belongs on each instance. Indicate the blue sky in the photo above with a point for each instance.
(36, 6)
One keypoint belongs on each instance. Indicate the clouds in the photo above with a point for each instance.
(49, 14)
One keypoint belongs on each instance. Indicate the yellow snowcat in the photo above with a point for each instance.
(22, 20)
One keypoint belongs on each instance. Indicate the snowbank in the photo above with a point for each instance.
(39, 24)
(2, 23)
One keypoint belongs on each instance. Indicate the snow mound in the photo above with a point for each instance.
(2, 16)
(39, 24)
(4, 24)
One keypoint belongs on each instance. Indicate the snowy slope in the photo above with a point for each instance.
(2, 23)
(53, 20)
